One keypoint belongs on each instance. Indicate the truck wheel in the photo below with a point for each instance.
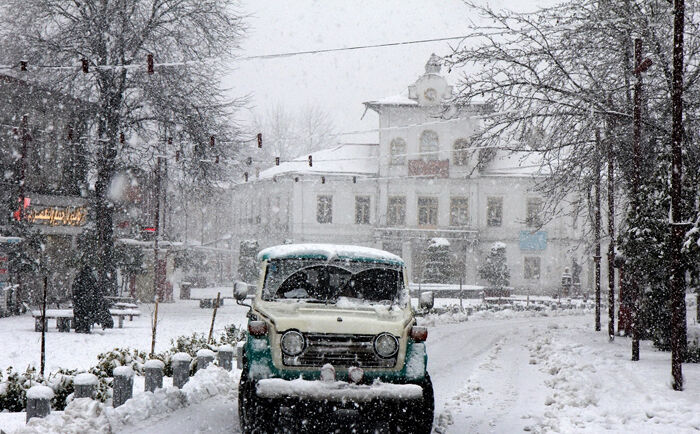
(254, 414)
(419, 415)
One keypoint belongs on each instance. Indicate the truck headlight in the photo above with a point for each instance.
(292, 343)
(386, 345)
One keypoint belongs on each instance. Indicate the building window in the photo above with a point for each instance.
(459, 211)
(533, 213)
(427, 211)
(396, 211)
(460, 156)
(398, 152)
(324, 209)
(531, 267)
(429, 145)
(494, 211)
(362, 210)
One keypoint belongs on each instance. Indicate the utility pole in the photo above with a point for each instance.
(678, 332)
(43, 329)
(641, 65)
(611, 233)
(24, 137)
(156, 232)
(596, 258)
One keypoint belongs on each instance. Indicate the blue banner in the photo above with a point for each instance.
(533, 240)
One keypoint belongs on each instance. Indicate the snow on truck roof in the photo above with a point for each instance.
(329, 252)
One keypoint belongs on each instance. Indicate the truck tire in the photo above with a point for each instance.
(254, 414)
(419, 415)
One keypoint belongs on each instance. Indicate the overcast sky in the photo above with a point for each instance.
(339, 82)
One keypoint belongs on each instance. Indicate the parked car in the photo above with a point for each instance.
(332, 337)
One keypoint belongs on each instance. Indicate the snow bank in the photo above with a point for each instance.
(87, 415)
(585, 393)
(454, 315)
(209, 382)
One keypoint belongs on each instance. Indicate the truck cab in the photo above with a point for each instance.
(332, 335)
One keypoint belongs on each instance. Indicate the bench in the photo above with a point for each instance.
(64, 318)
(121, 313)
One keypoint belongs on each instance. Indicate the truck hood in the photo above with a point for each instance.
(330, 318)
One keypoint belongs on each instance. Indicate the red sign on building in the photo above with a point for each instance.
(434, 168)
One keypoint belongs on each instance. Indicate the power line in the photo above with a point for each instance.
(356, 47)
(24, 66)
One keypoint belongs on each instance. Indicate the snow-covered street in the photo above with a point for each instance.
(502, 372)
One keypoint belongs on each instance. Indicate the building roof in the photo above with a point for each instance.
(350, 159)
(397, 100)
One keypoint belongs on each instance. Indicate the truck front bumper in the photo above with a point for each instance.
(340, 391)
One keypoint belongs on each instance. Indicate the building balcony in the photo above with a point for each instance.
(429, 168)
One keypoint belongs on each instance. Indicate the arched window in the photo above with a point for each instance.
(398, 152)
(429, 145)
(460, 155)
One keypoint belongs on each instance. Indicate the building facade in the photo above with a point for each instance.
(421, 183)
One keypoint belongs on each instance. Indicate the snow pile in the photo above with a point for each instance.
(585, 388)
(453, 314)
(87, 415)
(210, 382)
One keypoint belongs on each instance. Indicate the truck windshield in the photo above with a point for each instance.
(324, 282)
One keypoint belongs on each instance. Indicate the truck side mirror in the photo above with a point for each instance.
(240, 291)
(426, 300)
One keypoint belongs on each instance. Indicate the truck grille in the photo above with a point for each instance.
(339, 351)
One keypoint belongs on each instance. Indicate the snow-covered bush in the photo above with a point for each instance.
(14, 386)
(106, 362)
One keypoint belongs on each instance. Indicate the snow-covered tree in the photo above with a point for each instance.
(494, 269)
(555, 76)
(103, 45)
(438, 262)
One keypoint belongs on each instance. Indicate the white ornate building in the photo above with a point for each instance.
(418, 183)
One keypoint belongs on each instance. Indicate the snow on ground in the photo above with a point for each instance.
(21, 344)
(501, 371)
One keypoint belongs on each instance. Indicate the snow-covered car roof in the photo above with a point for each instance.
(329, 252)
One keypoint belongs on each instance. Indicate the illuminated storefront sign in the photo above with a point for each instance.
(58, 216)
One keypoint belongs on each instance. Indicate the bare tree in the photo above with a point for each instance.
(287, 135)
(100, 49)
(555, 75)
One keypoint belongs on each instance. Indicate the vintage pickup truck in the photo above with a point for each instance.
(332, 338)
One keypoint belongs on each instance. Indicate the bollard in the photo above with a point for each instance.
(154, 375)
(39, 401)
(204, 358)
(123, 385)
(181, 369)
(225, 357)
(84, 385)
